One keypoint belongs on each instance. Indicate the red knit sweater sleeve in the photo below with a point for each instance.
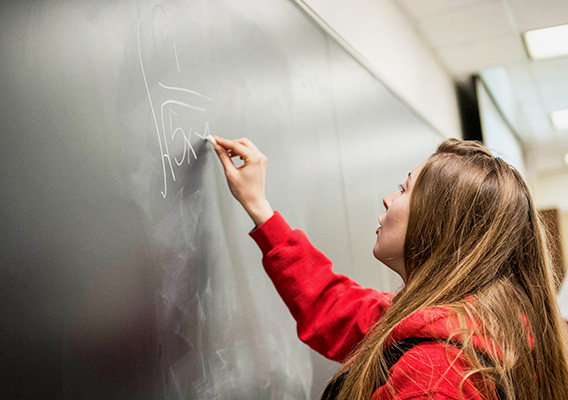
(333, 312)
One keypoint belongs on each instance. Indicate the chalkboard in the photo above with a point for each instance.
(126, 268)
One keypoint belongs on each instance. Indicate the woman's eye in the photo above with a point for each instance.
(401, 188)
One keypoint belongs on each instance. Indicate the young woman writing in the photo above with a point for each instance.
(477, 317)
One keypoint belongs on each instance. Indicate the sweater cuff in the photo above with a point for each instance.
(271, 233)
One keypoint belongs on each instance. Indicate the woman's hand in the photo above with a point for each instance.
(247, 181)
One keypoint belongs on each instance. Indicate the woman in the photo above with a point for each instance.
(477, 317)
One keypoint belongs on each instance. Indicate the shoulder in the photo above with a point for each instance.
(430, 370)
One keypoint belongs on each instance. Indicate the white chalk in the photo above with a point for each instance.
(211, 139)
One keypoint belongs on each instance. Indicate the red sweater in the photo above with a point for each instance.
(333, 313)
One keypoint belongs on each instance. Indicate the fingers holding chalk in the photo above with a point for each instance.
(211, 139)
(246, 181)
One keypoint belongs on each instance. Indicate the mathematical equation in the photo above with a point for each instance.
(167, 129)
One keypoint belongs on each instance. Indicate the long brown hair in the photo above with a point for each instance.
(475, 245)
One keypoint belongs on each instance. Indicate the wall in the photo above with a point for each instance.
(498, 135)
(382, 35)
(550, 191)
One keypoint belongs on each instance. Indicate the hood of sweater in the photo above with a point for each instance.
(442, 323)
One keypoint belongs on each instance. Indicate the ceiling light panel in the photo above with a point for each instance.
(547, 42)
(560, 119)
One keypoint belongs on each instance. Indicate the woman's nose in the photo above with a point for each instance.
(387, 200)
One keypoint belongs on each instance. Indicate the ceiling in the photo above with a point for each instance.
(485, 37)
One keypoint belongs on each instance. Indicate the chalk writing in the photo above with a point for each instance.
(176, 54)
(168, 131)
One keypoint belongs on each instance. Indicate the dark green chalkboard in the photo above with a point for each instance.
(126, 269)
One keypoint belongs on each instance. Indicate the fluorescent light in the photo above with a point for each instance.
(560, 119)
(547, 42)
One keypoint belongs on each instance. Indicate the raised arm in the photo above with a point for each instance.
(333, 312)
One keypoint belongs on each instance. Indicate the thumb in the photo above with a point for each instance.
(225, 159)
